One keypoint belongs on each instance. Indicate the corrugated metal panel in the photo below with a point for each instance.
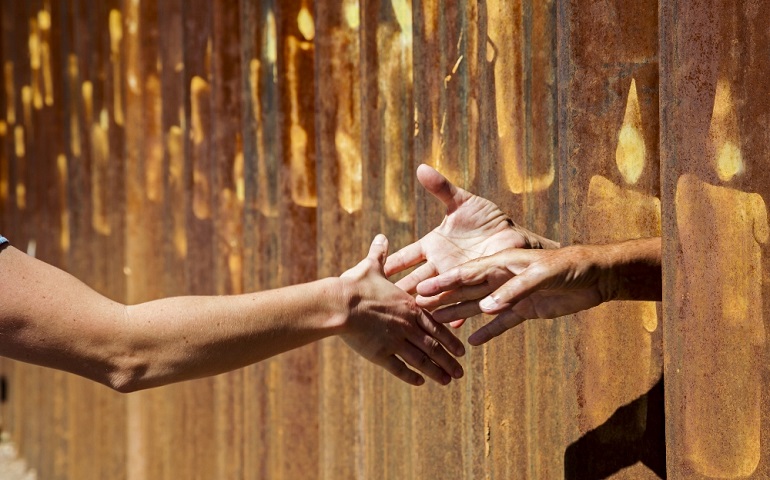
(715, 183)
(168, 148)
(610, 192)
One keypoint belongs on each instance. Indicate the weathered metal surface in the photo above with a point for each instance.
(610, 192)
(213, 147)
(715, 188)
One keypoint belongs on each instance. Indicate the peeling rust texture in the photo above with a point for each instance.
(716, 187)
(213, 147)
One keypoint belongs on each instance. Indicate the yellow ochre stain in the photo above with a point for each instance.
(402, 9)
(64, 218)
(4, 164)
(175, 148)
(26, 104)
(72, 70)
(116, 38)
(87, 91)
(351, 12)
(724, 134)
(303, 189)
(44, 23)
(100, 156)
(631, 151)
(153, 171)
(19, 141)
(10, 93)
(305, 24)
(199, 111)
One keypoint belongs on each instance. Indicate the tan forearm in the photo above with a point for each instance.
(182, 338)
(49, 318)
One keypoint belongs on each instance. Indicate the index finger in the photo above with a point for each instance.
(407, 257)
(473, 272)
(441, 333)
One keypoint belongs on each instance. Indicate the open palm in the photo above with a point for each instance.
(473, 227)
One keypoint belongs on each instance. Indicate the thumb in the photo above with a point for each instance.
(379, 250)
(441, 188)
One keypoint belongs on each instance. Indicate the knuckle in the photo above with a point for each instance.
(434, 348)
(424, 361)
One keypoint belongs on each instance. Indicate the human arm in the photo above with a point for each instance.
(473, 227)
(49, 318)
(519, 285)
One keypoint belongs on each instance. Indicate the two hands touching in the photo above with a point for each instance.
(479, 261)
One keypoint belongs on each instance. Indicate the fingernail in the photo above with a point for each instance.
(488, 303)
(379, 239)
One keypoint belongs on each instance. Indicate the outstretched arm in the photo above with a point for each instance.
(49, 318)
(521, 284)
(473, 227)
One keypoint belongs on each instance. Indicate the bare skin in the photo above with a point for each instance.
(49, 318)
(519, 285)
(473, 227)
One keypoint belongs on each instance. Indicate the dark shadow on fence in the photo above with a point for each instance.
(597, 455)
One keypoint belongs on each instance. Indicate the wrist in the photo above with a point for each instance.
(339, 293)
(347, 298)
(631, 270)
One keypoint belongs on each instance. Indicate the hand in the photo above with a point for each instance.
(385, 323)
(473, 227)
(519, 285)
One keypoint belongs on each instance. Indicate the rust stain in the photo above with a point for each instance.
(430, 14)
(4, 164)
(44, 23)
(175, 148)
(504, 49)
(64, 218)
(264, 204)
(231, 231)
(100, 157)
(19, 141)
(395, 78)
(238, 173)
(303, 189)
(10, 93)
(271, 43)
(153, 171)
(200, 96)
(26, 105)
(20, 150)
(116, 38)
(347, 137)
(74, 74)
(35, 62)
(132, 47)
(87, 91)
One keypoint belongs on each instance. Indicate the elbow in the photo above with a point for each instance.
(127, 369)
(127, 377)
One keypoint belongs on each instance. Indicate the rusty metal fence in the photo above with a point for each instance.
(158, 148)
